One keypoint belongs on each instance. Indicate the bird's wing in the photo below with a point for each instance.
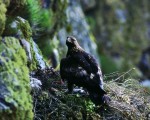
(69, 69)
(80, 59)
(87, 61)
(89, 64)
(63, 66)
(92, 61)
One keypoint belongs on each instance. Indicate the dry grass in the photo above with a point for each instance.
(130, 101)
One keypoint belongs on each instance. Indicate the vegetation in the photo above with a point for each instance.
(116, 34)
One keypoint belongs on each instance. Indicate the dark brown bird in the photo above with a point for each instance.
(81, 69)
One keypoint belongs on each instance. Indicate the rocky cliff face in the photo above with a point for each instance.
(15, 99)
(78, 27)
(27, 24)
(122, 31)
(18, 56)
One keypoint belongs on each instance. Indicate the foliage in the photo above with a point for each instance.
(36, 11)
(45, 27)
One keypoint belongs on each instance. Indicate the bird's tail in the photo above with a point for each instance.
(99, 99)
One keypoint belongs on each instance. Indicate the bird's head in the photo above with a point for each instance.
(72, 42)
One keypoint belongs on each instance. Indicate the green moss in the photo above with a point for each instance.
(2, 16)
(92, 38)
(25, 28)
(26, 33)
(20, 27)
(15, 76)
(37, 58)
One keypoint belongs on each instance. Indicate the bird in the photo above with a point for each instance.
(81, 68)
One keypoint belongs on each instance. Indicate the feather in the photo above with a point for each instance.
(81, 69)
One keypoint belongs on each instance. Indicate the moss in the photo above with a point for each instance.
(26, 33)
(21, 28)
(92, 38)
(37, 59)
(2, 16)
(25, 28)
(17, 26)
(15, 76)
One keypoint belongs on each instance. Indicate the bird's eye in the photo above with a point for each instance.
(73, 40)
(68, 39)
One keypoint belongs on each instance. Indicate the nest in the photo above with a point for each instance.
(129, 101)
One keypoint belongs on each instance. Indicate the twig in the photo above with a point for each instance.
(123, 74)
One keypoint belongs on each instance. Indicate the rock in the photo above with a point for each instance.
(38, 58)
(20, 28)
(15, 99)
(88, 4)
(78, 27)
(145, 83)
(17, 57)
(35, 84)
(27, 47)
(117, 33)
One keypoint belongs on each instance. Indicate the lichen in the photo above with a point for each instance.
(2, 16)
(14, 74)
